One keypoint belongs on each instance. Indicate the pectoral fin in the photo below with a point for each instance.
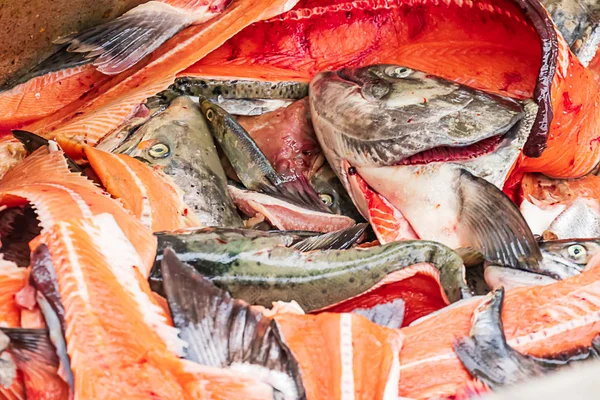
(493, 225)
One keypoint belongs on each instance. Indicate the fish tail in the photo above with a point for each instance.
(225, 332)
(35, 356)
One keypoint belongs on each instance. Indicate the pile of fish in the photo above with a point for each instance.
(303, 199)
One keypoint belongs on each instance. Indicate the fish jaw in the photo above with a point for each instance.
(429, 214)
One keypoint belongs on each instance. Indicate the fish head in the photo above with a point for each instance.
(424, 158)
(216, 118)
(332, 193)
(568, 257)
(383, 114)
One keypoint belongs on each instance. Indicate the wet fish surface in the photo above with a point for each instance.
(179, 143)
(314, 279)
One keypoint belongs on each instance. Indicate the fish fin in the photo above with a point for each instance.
(35, 357)
(120, 44)
(390, 314)
(338, 240)
(494, 225)
(32, 142)
(221, 331)
(299, 192)
(486, 354)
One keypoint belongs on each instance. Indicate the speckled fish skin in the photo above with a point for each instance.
(382, 114)
(240, 89)
(579, 23)
(186, 152)
(260, 273)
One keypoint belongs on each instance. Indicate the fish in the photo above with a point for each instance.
(148, 193)
(183, 241)
(490, 359)
(333, 194)
(227, 332)
(510, 278)
(251, 165)
(107, 106)
(85, 251)
(577, 21)
(541, 321)
(455, 41)
(284, 215)
(562, 208)
(31, 142)
(561, 259)
(401, 137)
(57, 194)
(285, 274)
(178, 142)
(240, 89)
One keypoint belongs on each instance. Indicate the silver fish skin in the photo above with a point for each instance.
(581, 219)
(382, 114)
(179, 142)
(510, 278)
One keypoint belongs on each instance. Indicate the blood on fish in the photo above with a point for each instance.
(569, 107)
(450, 153)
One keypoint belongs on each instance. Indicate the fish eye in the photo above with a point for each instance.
(398, 72)
(159, 150)
(326, 199)
(577, 252)
(210, 114)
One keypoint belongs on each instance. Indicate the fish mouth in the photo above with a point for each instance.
(450, 153)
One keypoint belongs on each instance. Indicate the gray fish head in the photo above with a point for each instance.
(382, 114)
(565, 258)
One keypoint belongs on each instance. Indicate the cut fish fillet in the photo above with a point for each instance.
(343, 356)
(118, 338)
(542, 321)
(43, 95)
(12, 280)
(418, 286)
(58, 195)
(148, 193)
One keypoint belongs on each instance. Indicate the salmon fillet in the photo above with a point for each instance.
(148, 193)
(542, 321)
(109, 307)
(58, 195)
